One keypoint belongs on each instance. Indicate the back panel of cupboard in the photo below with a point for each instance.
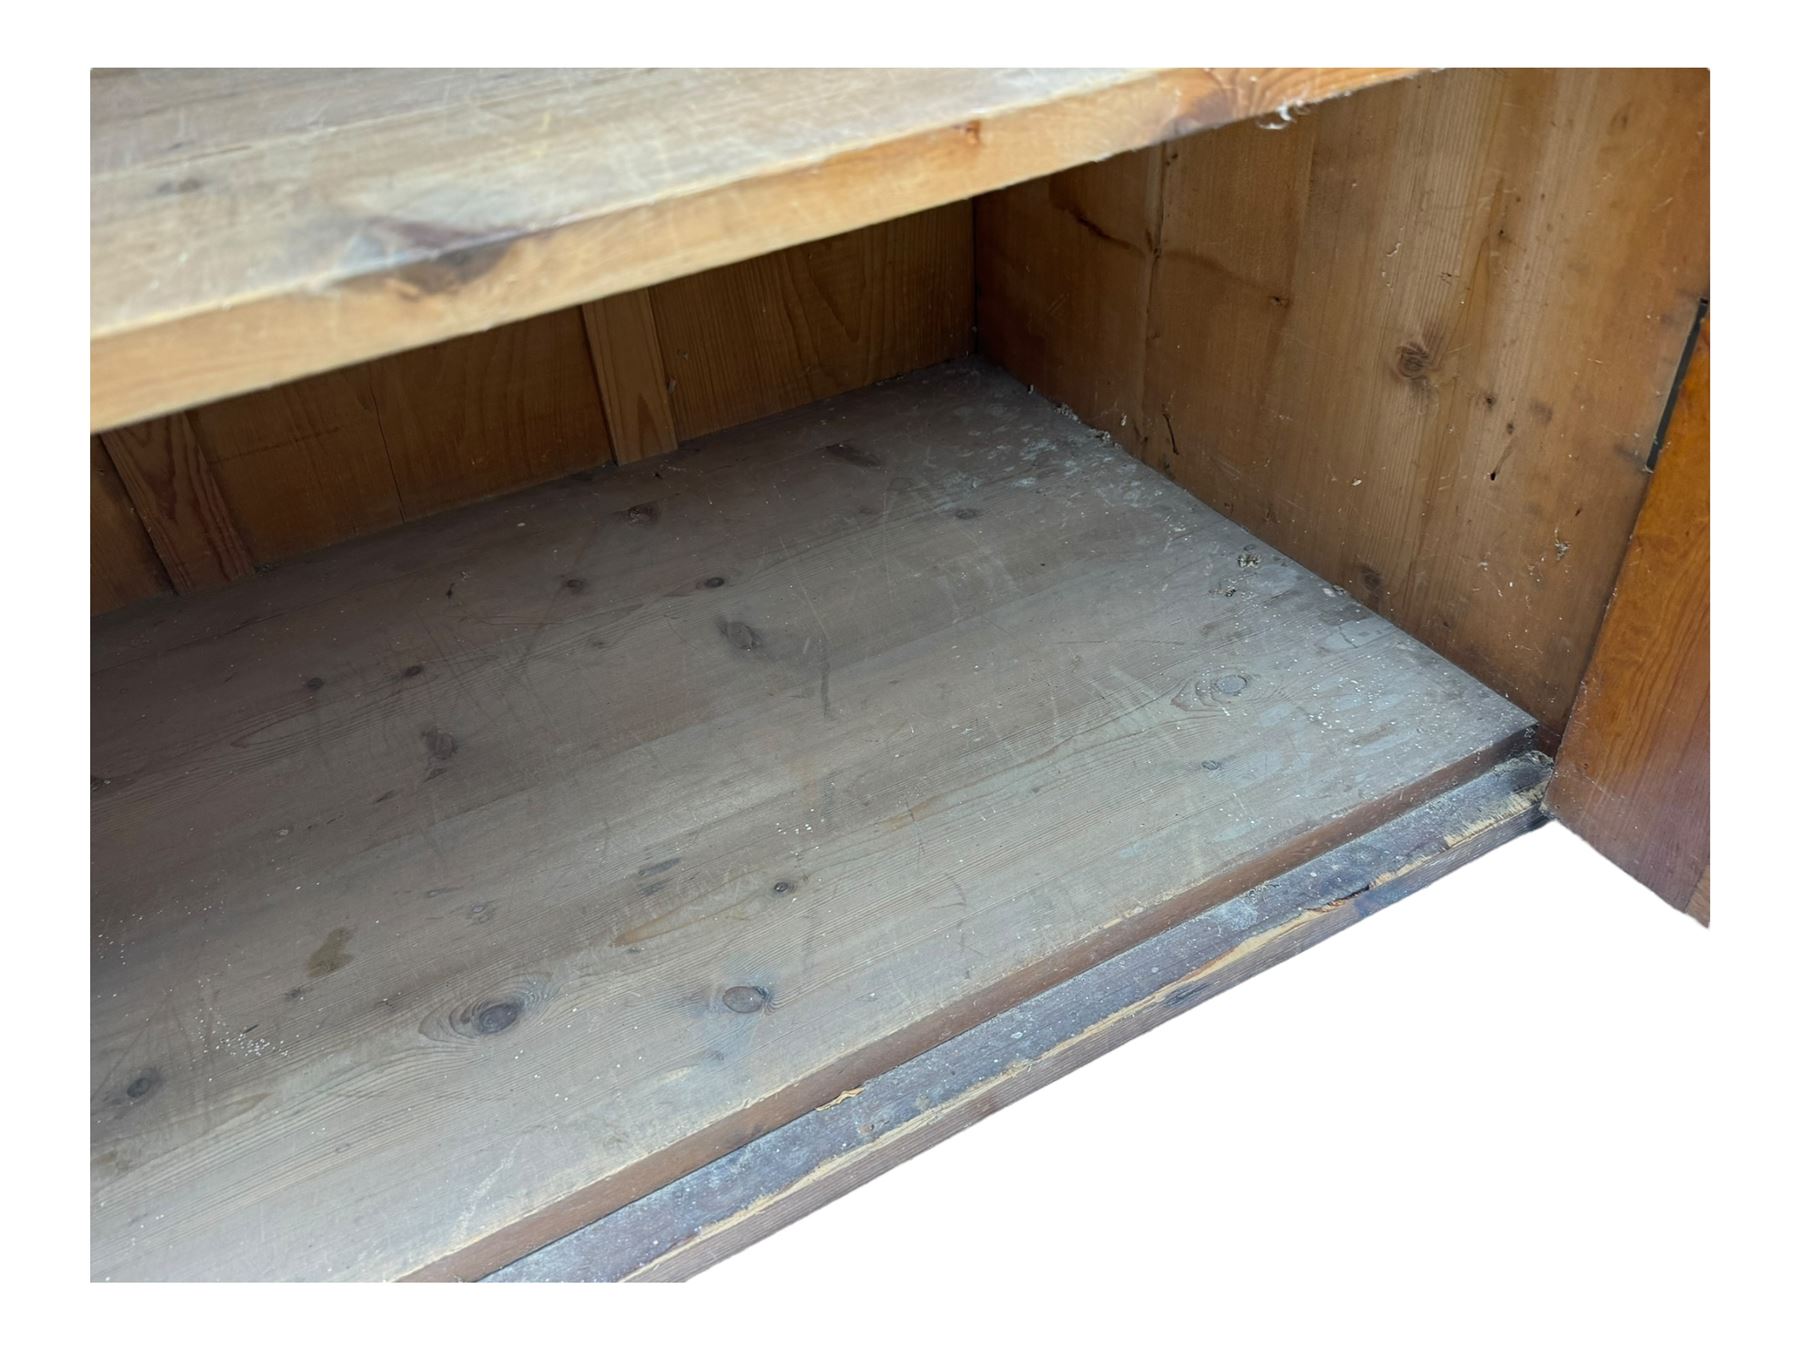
(202, 497)
(1420, 338)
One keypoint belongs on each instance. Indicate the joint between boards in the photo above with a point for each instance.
(1681, 369)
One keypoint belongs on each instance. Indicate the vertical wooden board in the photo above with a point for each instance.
(122, 564)
(496, 410)
(628, 363)
(172, 487)
(1063, 270)
(1633, 778)
(1422, 341)
(772, 333)
(303, 464)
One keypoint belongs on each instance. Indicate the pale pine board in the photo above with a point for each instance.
(429, 872)
(254, 226)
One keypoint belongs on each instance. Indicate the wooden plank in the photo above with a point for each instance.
(556, 847)
(337, 455)
(176, 496)
(776, 332)
(720, 1209)
(1063, 285)
(301, 465)
(123, 566)
(1699, 904)
(485, 414)
(250, 227)
(1420, 339)
(634, 387)
(1634, 775)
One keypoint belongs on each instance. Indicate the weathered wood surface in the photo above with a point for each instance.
(634, 383)
(301, 465)
(327, 458)
(719, 1209)
(1420, 339)
(458, 885)
(254, 226)
(475, 417)
(1634, 776)
(171, 485)
(124, 567)
(775, 332)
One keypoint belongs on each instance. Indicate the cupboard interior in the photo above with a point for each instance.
(530, 767)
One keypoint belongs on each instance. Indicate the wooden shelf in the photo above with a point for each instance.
(456, 886)
(254, 226)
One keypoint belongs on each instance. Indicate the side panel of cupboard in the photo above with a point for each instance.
(1420, 339)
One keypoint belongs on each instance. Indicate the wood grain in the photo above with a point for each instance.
(634, 386)
(173, 490)
(1421, 338)
(250, 227)
(301, 465)
(694, 1222)
(492, 412)
(776, 332)
(558, 846)
(1634, 775)
(1063, 278)
(123, 567)
(324, 459)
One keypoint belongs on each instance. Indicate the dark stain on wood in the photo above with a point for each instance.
(333, 954)
(144, 1085)
(745, 998)
(1414, 362)
(493, 1018)
(1065, 202)
(852, 453)
(1372, 583)
(451, 272)
(740, 634)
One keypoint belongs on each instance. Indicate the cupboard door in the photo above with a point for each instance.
(1633, 777)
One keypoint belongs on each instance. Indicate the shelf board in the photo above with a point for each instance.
(254, 226)
(455, 886)
(717, 1210)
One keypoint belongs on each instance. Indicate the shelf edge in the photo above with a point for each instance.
(194, 357)
(721, 1208)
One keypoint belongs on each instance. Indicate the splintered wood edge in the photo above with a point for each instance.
(168, 363)
(725, 1206)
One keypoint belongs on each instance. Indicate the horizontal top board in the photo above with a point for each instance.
(255, 226)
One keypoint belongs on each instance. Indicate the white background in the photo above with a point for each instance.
(1528, 1106)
